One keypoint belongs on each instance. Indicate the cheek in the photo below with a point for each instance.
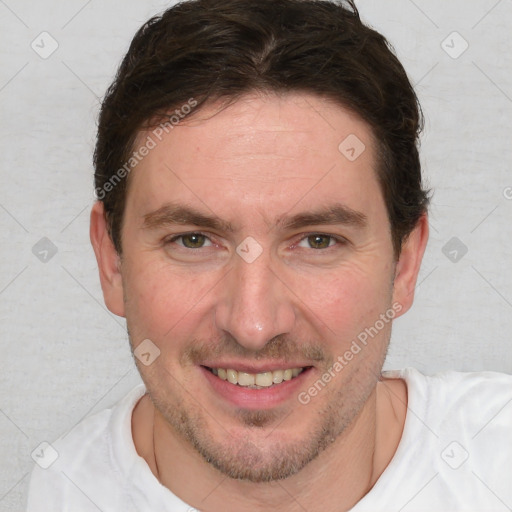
(161, 301)
(344, 302)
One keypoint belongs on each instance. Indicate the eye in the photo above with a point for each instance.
(191, 240)
(318, 241)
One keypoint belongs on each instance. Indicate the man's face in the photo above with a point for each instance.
(252, 243)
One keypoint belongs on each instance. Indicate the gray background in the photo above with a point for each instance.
(64, 356)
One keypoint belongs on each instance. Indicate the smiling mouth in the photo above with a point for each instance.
(257, 380)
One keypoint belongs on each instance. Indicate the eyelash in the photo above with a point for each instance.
(339, 240)
(173, 239)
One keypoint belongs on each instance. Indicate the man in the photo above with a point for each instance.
(260, 222)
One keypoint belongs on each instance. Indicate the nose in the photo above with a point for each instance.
(255, 306)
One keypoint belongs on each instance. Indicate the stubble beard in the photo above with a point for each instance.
(255, 456)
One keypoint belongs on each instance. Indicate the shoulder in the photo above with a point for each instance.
(455, 442)
(473, 410)
(461, 394)
(466, 418)
(82, 451)
(67, 470)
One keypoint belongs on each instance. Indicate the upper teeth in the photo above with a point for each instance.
(264, 379)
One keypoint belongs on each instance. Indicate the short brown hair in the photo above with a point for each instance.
(211, 50)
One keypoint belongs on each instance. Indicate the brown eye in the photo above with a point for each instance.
(319, 241)
(193, 240)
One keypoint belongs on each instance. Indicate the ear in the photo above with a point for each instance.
(408, 266)
(109, 262)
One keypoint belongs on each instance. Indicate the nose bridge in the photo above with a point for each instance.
(254, 307)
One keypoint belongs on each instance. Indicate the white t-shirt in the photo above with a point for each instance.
(455, 454)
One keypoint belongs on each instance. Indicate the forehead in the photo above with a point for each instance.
(265, 153)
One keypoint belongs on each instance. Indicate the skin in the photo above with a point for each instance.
(252, 164)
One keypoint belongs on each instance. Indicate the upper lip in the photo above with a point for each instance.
(253, 368)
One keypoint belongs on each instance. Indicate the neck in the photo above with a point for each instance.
(337, 479)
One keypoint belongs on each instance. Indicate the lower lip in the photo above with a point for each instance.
(249, 398)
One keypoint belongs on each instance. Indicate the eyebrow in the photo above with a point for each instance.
(170, 214)
(335, 214)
